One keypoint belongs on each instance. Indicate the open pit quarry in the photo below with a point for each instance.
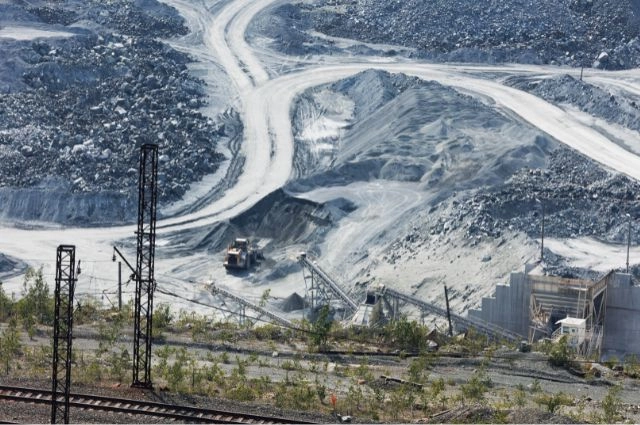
(383, 160)
(408, 147)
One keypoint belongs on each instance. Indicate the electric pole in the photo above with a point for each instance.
(145, 281)
(63, 333)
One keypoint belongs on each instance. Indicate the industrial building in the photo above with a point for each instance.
(601, 318)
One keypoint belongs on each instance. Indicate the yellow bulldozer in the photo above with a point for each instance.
(241, 254)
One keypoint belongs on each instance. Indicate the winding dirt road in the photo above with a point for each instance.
(265, 104)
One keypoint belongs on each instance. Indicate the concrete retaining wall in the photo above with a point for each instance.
(622, 318)
(509, 308)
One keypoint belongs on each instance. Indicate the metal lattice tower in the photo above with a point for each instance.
(62, 333)
(145, 282)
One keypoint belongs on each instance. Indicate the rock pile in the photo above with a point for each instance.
(597, 33)
(91, 102)
(145, 18)
(79, 108)
(579, 198)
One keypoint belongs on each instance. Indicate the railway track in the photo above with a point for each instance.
(140, 407)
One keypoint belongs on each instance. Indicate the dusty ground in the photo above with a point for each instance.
(505, 371)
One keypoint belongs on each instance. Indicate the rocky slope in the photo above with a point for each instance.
(76, 109)
(485, 179)
(596, 33)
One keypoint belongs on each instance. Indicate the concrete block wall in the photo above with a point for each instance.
(622, 318)
(509, 307)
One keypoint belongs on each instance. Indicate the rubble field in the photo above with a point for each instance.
(598, 33)
(75, 109)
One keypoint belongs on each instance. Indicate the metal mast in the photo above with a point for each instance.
(145, 283)
(62, 333)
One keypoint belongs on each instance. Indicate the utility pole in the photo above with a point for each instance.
(628, 239)
(63, 333)
(119, 285)
(446, 298)
(541, 230)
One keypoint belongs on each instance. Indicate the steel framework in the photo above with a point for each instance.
(582, 299)
(63, 333)
(392, 299)
(145, 282)
(248, 304)
(321, 289)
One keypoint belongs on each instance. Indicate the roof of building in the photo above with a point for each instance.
(572, 321)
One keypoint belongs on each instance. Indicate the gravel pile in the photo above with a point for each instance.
(596, 33)
(79, 108)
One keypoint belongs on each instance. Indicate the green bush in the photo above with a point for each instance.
(561, 354)
(553, 401)
(611, 362)
(477, 386)
(611, 405)
(6, 305)
(319, 335)
(36, 305)
(162, 318)
(406, 335)
(267, 332)
(10, 345)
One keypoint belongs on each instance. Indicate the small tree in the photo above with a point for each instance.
(162, 318)
(477, 386)
(419, 368)
(10, 345)
(407, 335)
(37, 306)
(264, 298)
(631, 366)
(561, 354)
(320, 329)
(6, 305)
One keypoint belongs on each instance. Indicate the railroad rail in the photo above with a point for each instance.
(141, 407)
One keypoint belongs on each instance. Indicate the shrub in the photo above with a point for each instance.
(611, 362)
(611, 404)
(6, 305)
(10, 345)
(162, 318)
(267, 332)
(320, 329)
(477, 386)
(553, 401)
(406, 335)
(561, 354)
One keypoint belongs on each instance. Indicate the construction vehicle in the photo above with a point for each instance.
(241, 254)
